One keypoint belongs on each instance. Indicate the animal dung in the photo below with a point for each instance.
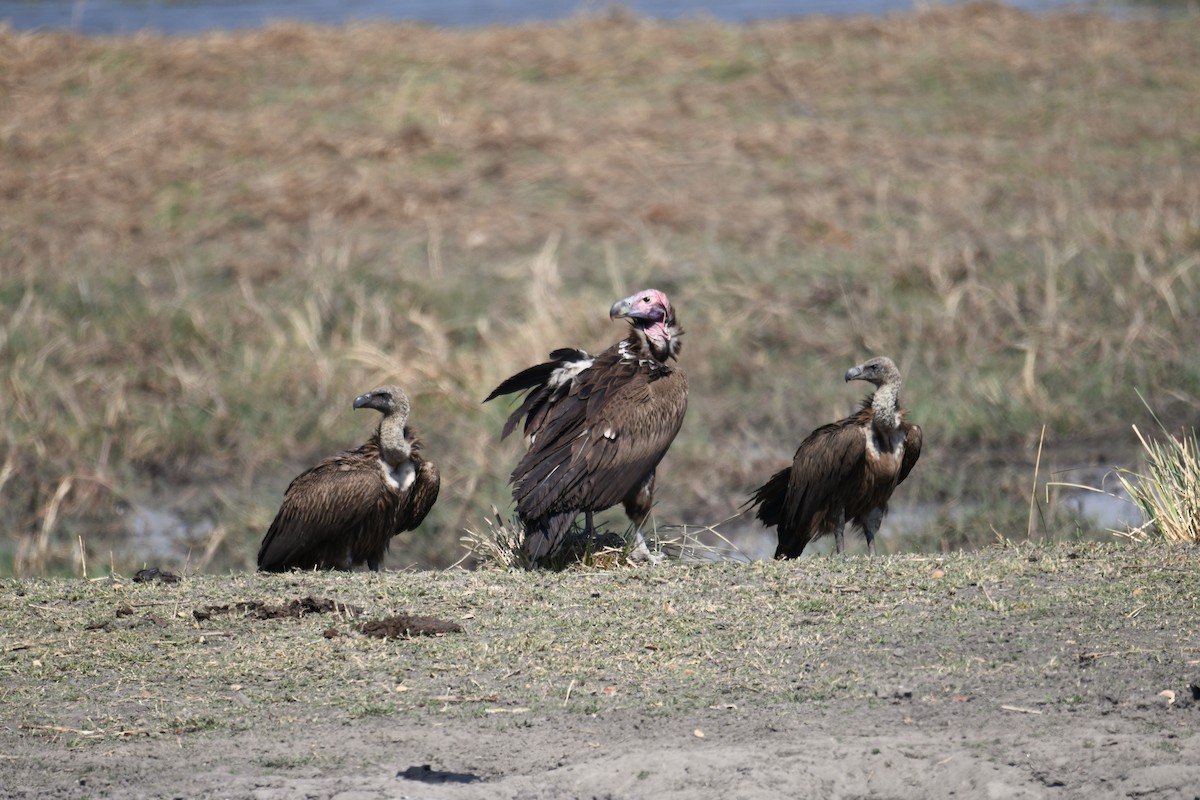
(154, 574)
(258, 609)
(407, 626)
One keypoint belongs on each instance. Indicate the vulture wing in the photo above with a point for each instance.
(324, 510)
(604, 436)
(420, 498)
(819, 480)
(912, 450)
(547, 383)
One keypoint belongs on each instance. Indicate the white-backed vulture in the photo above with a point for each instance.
(845, 471)
(598, 425)
(346, 509)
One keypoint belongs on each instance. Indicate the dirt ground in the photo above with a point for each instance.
(900, 747)
(1062, 672)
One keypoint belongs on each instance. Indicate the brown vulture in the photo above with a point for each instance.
(597, 425)
(345, 510)
(845, 471)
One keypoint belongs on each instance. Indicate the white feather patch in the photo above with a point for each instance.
(401, 477)
(568, 371)
(869, 437)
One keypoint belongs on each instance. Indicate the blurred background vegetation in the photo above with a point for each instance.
(210, 245)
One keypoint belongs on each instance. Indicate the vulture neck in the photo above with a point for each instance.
(659, 341)
(885, 409)
(394, 446)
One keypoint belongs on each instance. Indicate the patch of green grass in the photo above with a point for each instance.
(728, 71)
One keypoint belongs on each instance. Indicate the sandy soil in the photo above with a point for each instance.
(902, 746)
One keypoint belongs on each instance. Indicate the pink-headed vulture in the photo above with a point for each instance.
(598, 426)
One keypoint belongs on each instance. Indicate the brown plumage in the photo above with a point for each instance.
(845, 471)
(346, 509)
(598, 425)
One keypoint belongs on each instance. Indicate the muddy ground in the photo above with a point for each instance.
(1059, 672)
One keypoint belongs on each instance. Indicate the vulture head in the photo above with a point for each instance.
(878, 371)
(387, 400)
(650, 313)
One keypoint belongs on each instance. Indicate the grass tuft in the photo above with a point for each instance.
(498, 545)
(501, 545)
(1167, 490)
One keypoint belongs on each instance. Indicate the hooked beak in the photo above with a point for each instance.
(854, 373)
(629, 309)
(620, 309)
(364, 400)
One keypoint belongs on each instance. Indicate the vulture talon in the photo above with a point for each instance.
(641, 552)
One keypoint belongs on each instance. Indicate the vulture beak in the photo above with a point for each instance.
(638, 306)
(620, 309)
(364, 400)
(854, 373)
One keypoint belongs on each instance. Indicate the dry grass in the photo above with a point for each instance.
(211, 244)
(500, 544)
(1168, 489)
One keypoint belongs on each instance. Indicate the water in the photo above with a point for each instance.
(104, 17)
(159, 535)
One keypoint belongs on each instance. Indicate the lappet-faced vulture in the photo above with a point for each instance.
(346, 509)
(598, 425)
(845, 471)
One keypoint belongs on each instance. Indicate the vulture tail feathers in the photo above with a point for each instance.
(770, 496)
(546, 535)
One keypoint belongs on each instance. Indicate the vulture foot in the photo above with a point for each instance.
(642, 554)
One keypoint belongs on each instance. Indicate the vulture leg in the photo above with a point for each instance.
(638, 502)
(871, 523)
(839, 533)
(642, 552)
(637, 507)
(588, 529)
